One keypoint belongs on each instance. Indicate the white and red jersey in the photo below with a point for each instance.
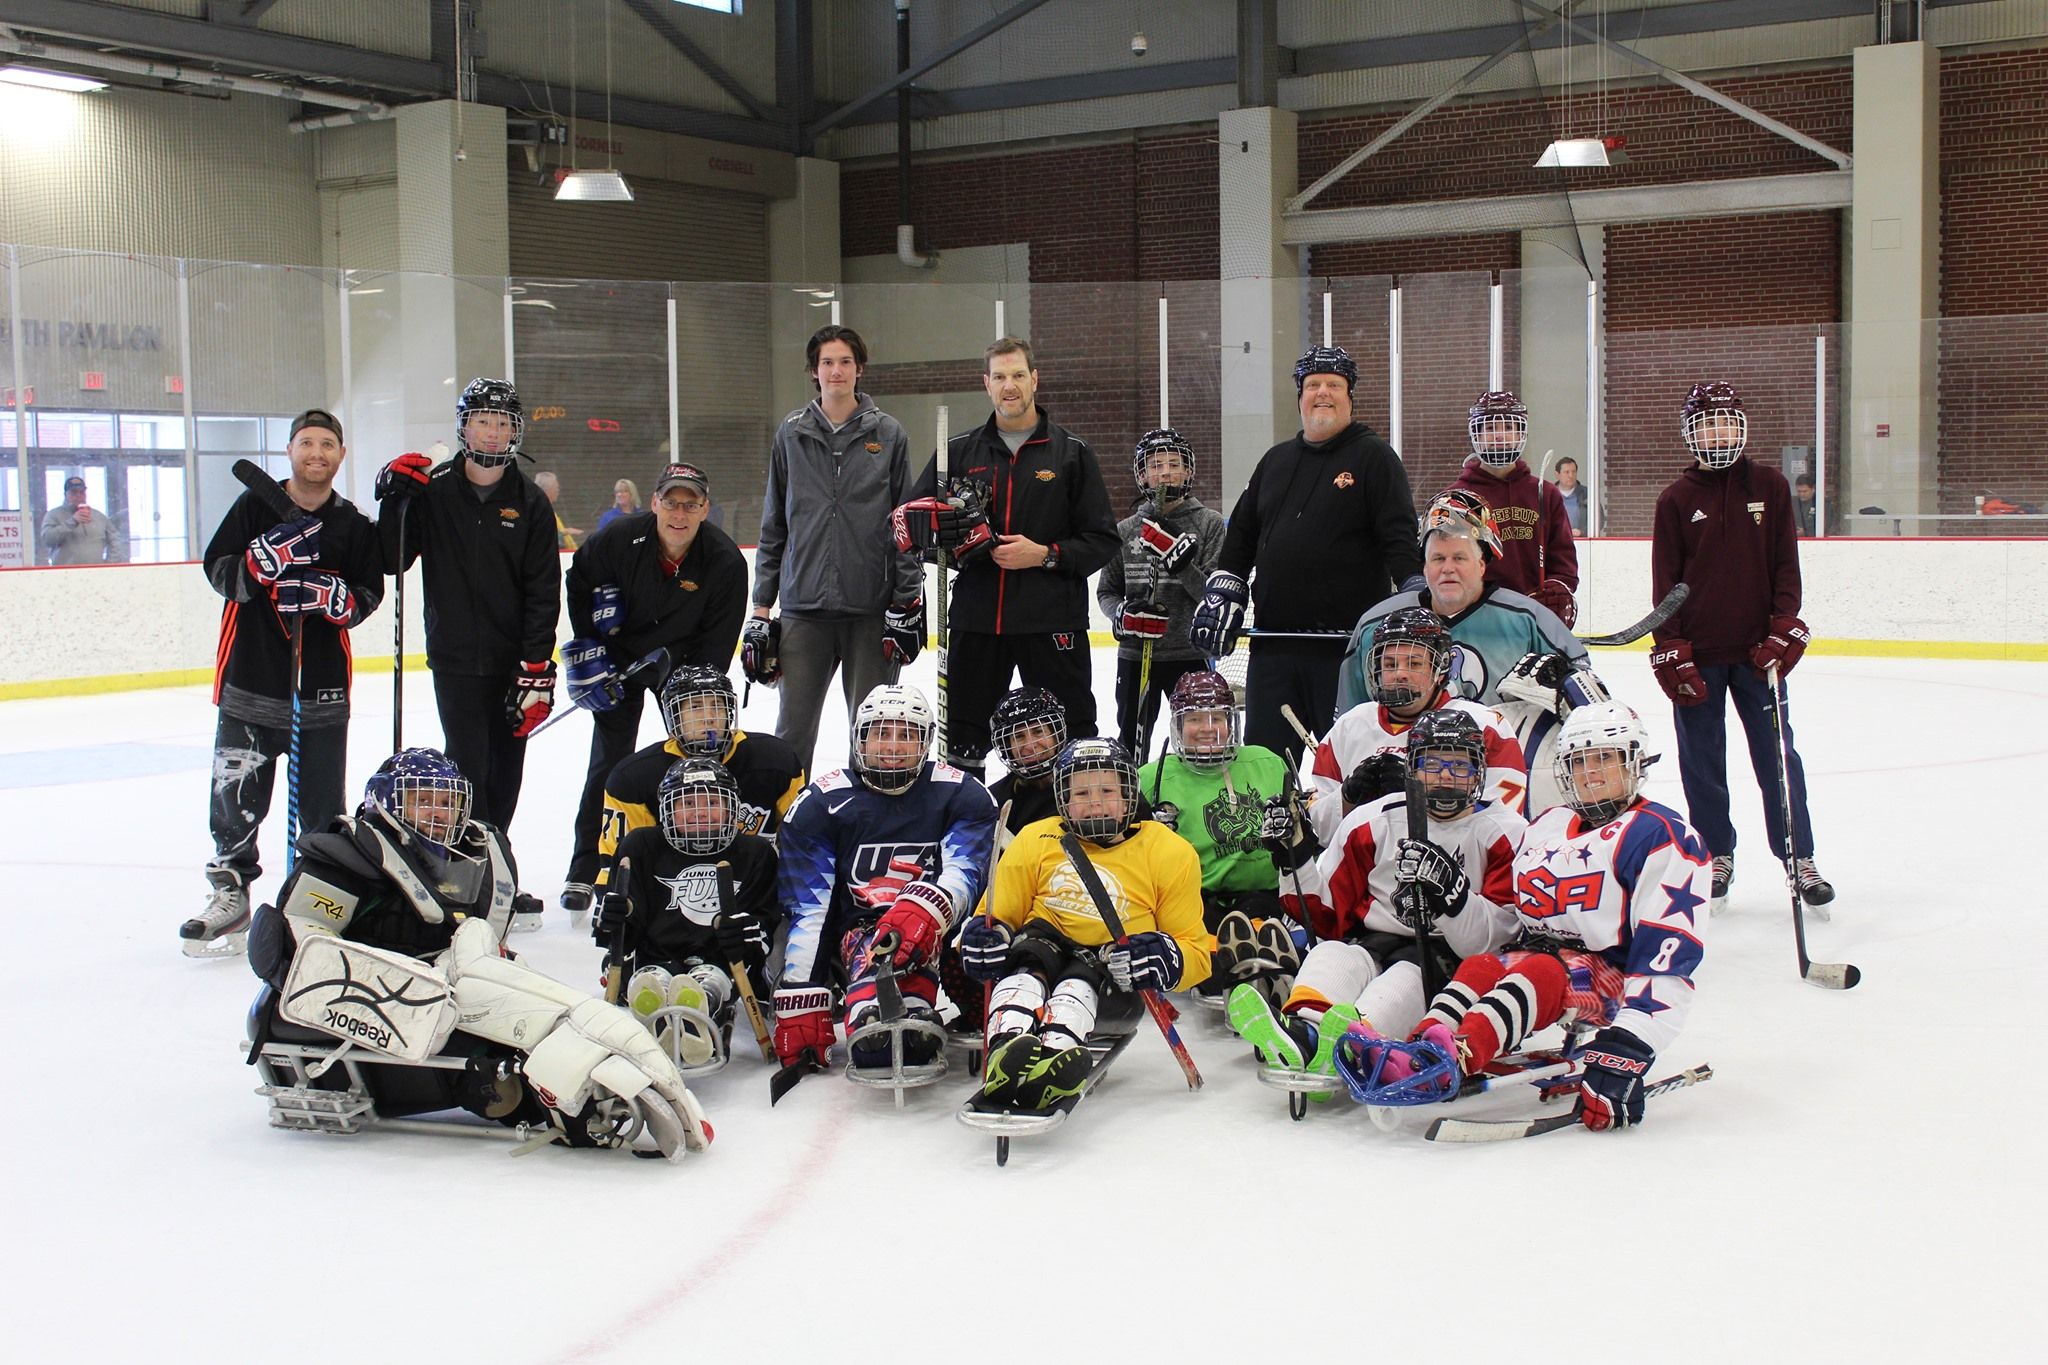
(1369, 728)
(1634, 891)
(1350, 885)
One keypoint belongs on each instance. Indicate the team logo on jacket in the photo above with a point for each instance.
(693, 893)
(1343, 479)
(1044, 475)
(1756, 513)
(1063, 641)
(881, 871)
(687, 584)
(508, 514)
(874, 447)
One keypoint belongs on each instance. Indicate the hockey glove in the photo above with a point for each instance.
(920, 915)
(607, 609)
(593, 682)
(761, 651)
(1611, 1091)
(1140, 621)
(1167, 814)
(1555, 594)
(1376, 775)
(288, 545)
(1145, 962)
(1426, 866)
(303, 592)
(903, 632)
(1677, 674)
(1171, 550)
(985, 948)
(531, 698)
(803, 1021)
(1285, 835)
(926, 525)
(1783, 646)
(614, 912)
(1220, 617)
(742, 938)
(404, 477)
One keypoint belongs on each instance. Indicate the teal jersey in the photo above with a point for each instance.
(1223, 823)
(1491, 637)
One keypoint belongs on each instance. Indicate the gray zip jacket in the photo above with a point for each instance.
(1136, 567)
(826, 547)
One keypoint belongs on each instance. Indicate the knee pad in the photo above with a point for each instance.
(1069, 1013)
(1014, 1004)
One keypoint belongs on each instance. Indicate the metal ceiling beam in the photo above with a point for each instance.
(1258, 54)
(916, 69)
(794, 63)
(238, 11)
(1515, 213)
(513, 93)
(1083, 85)
(654, 14)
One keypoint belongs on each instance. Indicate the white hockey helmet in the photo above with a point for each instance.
(892, 734)
(1601, 728)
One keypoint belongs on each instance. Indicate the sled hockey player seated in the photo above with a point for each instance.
(701, 714)
(683, 940)
(1612, 893)
(1212, 791)
(1365, 755)
(1365, 973)
(1536, 697)
(1044, 943)
(895, 844)
(387, 936)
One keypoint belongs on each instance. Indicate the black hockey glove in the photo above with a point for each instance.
(1220, 617)
(742, 939)
(1611, 1091)
(614, 911)
(903, 632)
(1376, 775)
(1428, 867)
(1285, 835)
(761, 651)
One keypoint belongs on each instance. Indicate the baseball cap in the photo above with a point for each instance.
(316, 417)
(73, 482)
(683, 476)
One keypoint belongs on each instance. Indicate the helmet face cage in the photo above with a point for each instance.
(1325, 360)
(1204, 728)
(900, 717)
(1499, 429)
(1029, 729)
(699, 710)
(1459, 512)
(1447, 754)
(1589, 734)
(699, 806)
(1081, 793)
(492, 396)
(1419, 628)
(1152, 471)
(1715, 405)
(423, 793)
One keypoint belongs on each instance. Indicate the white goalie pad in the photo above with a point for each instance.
(499, 999)
(600, 1047)
(381, 1001)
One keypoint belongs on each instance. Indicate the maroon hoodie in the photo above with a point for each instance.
(1730, 534)
(1535, 532)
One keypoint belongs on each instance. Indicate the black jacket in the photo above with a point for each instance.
(1330, 529)
(1051, 490)
(252, 671)
(493, 575)
(694, 613)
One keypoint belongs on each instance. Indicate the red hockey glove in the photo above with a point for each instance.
(920, 915)
(315, 590)
(803, 1019)
(1677, 674)
(924, 525)
(531, 698)
(404, 477)
(1553, 593)
(1140, 621)
(1783, 646)
(1172, 550)
(286, 546)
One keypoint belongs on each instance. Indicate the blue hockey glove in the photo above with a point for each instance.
(985, 948)
(288, 545)
(1147, 962)
(1220, 617)
(607, 609)
(593, 682)
(304, 591)
(1611, 1091)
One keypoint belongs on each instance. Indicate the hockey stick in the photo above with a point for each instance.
(750, 1002)
(277, 501)
(939, 642)
(1155, 1003)
(1835, 976)
(1425, 915)
(1489, 1130)
(398, 639)
(1659, 614)
(615, 954)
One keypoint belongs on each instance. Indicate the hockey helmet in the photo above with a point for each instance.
(1165, 490)
(1086, 810)
(423, 800)
(1499, 428)
(1029, 728)
(1326, 360)
(699, 710)
(1461, 512)
(1447, 754)
(1203, 731)
(494, 396)
(1413, 626)
(1715, 426)
(892, 733)
(699, 806)
(1603, 728)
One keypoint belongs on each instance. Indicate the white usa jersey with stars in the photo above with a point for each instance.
(1634, 891)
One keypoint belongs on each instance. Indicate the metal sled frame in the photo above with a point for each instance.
(899, 1075)
(1301, 1087)
(666, 1025)
(1552, 1071)
(1007, 1123)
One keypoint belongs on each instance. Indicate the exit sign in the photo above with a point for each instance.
(23, 398)
(174, 383)
(92, 379)
(1884, 428)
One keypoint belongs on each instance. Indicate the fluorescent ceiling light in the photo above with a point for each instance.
(1584, 151)
(49, 80)
(604, 187)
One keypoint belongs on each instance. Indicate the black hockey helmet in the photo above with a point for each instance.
(490, 395)
(1447, 754)
(1095, 755)
(1152, 443)
(1326, 360)
(698, 733)
(1017, 715)
(698, 805)
(1417, 626)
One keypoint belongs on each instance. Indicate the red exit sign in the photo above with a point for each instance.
(174, 383)
(92, 379)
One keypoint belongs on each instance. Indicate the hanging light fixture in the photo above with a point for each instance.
(606, 186)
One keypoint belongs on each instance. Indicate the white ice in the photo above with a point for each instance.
(1861, 1180)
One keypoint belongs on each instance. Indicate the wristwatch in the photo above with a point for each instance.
(1052, 558)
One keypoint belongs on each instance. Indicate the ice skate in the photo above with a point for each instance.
(222, 928)
(1814, 889)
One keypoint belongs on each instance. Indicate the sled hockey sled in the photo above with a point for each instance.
(1114, 1031)
(891, 1028)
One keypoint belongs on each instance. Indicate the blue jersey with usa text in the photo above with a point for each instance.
(845, 850)
(1633, 890)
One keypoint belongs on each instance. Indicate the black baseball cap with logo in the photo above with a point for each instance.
(683, 476)
(74, 482)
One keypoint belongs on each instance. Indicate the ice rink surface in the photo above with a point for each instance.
(1861, 1180)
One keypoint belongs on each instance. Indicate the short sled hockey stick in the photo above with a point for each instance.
(615, 953)
(1659, 614)
(940, 588)
(1155, 1003)
(1491, 1130)
(1835, 976)
(279, 503)
(750, 1002)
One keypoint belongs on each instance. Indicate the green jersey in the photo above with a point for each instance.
(1222, 821)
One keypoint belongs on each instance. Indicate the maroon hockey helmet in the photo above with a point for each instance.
(1498, 427)
(1709, 411)
(1203, 693)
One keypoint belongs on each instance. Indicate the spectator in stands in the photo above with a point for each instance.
(1802, 505)
(74, 533)
(625, 502)
(1574, 494)
(565, 534)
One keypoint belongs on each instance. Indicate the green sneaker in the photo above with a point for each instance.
(1025, 1074)
(1283, 1044)
(1337, 1021)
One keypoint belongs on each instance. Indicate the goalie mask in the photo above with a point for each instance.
(1410, 659)
(892, 733)
(1602, 751)
(1461, 512)
(699, 709)
(1030, 729)
(1095, 788)
(1499, 428)
(699, 805)
(1203, 730)
(422, 800)
(1157, 470)
(493, 439)
(1447, 755)
(1715, 426)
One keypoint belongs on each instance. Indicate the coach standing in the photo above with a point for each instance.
(1324, 529)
